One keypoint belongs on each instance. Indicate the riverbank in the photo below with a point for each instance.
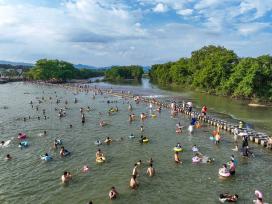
(254, 102)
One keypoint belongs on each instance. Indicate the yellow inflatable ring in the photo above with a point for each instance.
(177, 149)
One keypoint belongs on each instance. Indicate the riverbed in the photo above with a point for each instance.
(27, 179)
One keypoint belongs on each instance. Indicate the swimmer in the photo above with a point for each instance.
(8, 157)
(66, 177)
(223, 197)
(133, 182)
(177, 159)
(232, 167)
(150, 170)
(139, 162)
(99, 154)
(194, 148)
(108, 140)
(178, 145)
(113, 193)
(142, 139)
(63, 152)
(259, 197)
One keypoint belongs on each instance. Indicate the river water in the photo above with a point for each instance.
(26, 179)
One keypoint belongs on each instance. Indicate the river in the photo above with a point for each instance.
(27, 179)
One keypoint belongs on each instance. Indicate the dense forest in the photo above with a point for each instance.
(120, 73)
(59, 70)
(220, 71)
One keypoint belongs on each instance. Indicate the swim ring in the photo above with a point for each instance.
(21, 136)
(145, 141)
(100, 160)
(66, 153)
(23, 144)
(98, 142)
(153, 115)
(177, 149)
(212, 138)
(196, 159)
(46, 158)
(131, 136)
(223, 174)
(178, 130)
(194, 149)
(191, 128)
(58, 142)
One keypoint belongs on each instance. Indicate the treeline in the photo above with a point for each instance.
(9, 66)
(120, 73)
(59, 70)
(220, 71)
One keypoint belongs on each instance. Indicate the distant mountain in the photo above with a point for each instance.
(146, 68)
(15, 63)
(80, 66)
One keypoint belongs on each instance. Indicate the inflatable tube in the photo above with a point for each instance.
(100, 160)
(258, 194)
(145, 140)
(21, 136)
(97, 143)
(58, 142)
(222, 200)
(178, 130)
(23, 144)
(131, 136)
(191, 128)
(196, 159)
(177, 149)
(66, 153)
(194, 149)
(223, 174)
(6, 144)
(212, 138)
(153, 115)
(46, 158)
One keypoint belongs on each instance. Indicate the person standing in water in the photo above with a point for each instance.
(135, 171)
(133, 182)
(113, 193)
(177, 159)
(150, 170)
(66, 177)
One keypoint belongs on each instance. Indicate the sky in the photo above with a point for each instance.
(124, 32)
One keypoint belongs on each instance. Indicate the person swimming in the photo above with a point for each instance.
(108, 140)
(64, 152)
(113, 193)
(8, 157)
(99, 154)
(194, 148)
(66, 177)
(142, 139)
(223, 197)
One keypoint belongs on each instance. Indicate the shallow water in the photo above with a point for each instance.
(26, 179)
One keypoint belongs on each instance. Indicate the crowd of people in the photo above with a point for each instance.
(227, 169)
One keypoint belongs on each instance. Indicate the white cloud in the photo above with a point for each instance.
(251, 28)
(260, 7)
(185, 12)
(160, 8)
(106, 32)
